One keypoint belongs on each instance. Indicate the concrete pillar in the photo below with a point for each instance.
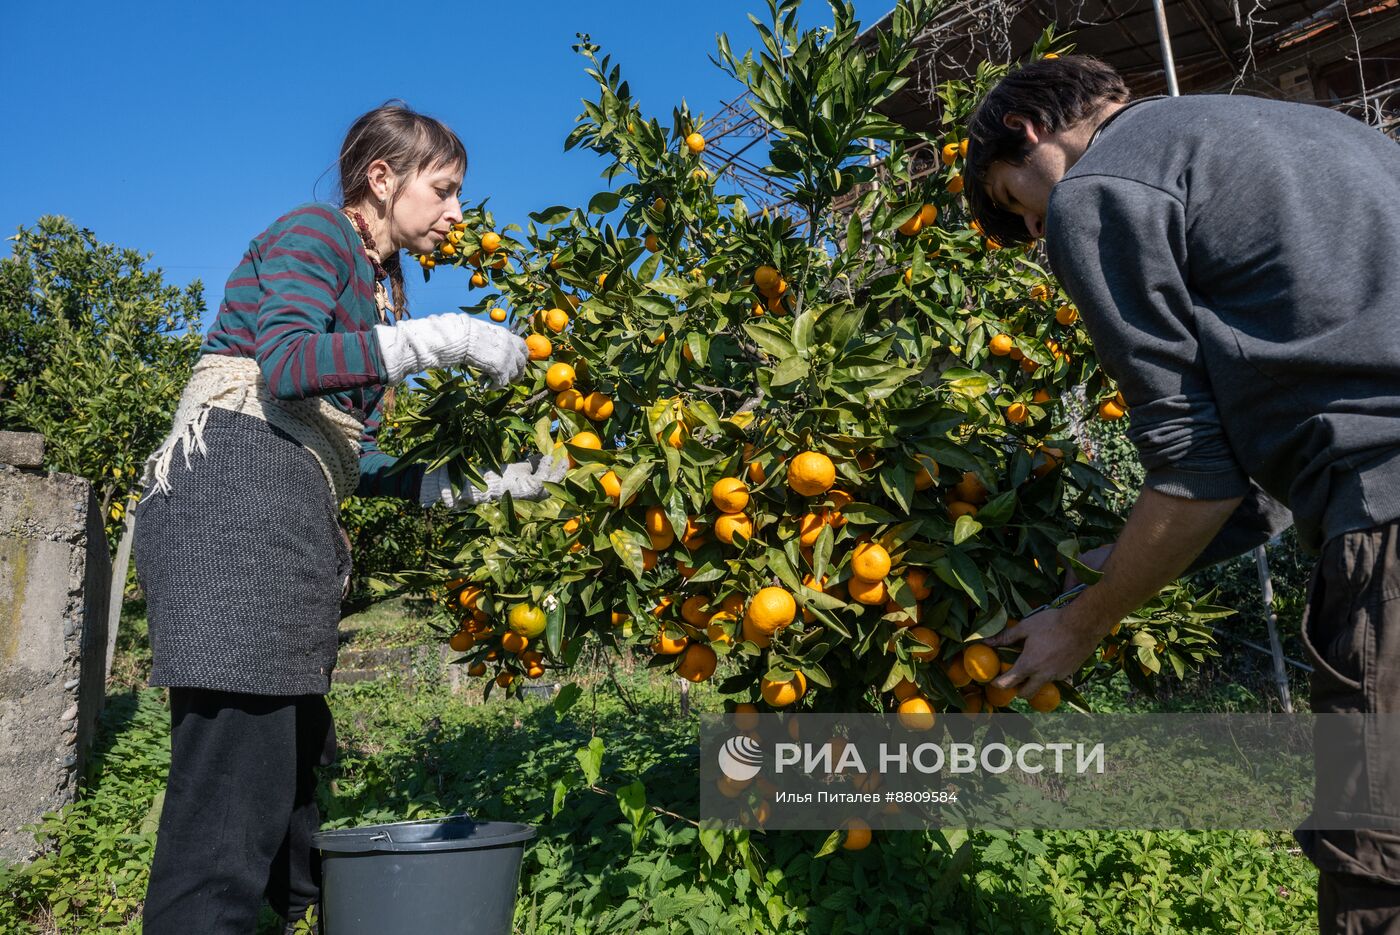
(54, 577)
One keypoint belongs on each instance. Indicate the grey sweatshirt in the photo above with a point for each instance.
(1237, 264)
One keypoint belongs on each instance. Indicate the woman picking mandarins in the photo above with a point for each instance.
(239, 547)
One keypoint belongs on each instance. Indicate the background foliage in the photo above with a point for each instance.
(94, 351)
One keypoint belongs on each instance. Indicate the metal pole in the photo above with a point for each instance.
(117, 588)
(1266, 585)
(1164, 37)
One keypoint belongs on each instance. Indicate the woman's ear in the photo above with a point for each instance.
(381, 179)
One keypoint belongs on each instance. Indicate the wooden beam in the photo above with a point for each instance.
(1133, 41)
(1202, 16)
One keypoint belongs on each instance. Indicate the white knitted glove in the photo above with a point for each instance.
(417, 344)
(523, 480)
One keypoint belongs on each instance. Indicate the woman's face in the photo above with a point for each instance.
(425, 208)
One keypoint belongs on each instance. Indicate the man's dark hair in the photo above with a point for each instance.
(1053, 93)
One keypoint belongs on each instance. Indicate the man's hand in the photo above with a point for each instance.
(1162, 535)
(1054, 644)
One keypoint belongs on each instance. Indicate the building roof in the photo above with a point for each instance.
(1214, 42)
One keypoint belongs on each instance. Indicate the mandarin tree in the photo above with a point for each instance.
(826, 443)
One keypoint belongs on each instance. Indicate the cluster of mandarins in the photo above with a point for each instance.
(773, 287)
(483, 259)
(1003, 344)
(524, 623)
(757, 619)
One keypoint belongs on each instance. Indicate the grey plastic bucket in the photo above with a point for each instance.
(446, 876)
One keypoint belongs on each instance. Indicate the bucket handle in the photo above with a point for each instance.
(386, 836)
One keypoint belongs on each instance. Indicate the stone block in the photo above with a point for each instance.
(54, 570)
(22, 449)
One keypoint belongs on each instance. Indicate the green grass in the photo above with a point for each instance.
(613, 854)
(386, 625)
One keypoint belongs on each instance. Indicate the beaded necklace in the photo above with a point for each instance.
(381, 295)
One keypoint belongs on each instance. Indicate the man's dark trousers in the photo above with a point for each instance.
(1351, 630)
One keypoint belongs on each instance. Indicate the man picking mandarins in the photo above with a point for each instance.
(1234, 263)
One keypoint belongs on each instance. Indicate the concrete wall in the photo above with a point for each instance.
(54, 572)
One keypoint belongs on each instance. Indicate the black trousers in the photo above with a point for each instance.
(1351, 632)
(239, 813)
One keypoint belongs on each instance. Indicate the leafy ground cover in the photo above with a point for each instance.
(611, 785)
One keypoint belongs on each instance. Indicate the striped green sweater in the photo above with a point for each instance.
(301, 303)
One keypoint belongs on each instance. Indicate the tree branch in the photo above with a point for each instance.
(655, 808)
(717, 389)
(621, 692)
(750, 404)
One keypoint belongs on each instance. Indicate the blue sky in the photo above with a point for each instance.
(184, 129)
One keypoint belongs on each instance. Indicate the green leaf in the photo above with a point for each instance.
(712, 840)
(789, 371)
(970, 383)
(802, 329)
(827, 144)
(854, 233)
(998, 510)
(956, 868)
(771, 342)
(867, 514)
(554, 623)
(568, 696)
(967, 575)
(590, 758)
(1068, 550)
(699, 346)
(634, 479)
(780, 673)
(816, 674)
(840, 323)
(904, 214)
(950, 455)
(899, 484)
(572, 651)
(604, 202)
(673, 468)
(151, 822)
(551, 215)
(628, 545)
(821, 552)
(632, 802)
(786, 158)
(965, 528)
(778, 564)
(672, 285)
(706, 414)
(674, 503)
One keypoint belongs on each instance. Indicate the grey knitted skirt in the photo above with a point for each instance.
(243, 565)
